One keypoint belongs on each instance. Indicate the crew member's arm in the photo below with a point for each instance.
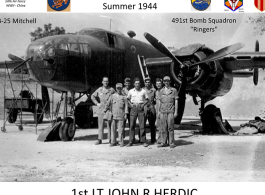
(93, 98)
(176, 104)
(129, 96)
(108, 104)
(146, 99)
(126, 109)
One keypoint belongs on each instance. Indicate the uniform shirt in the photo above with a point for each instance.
(157, 98)
(103, 95)
(167, 99)
(137, 97)
(151, 96)
(118, 104)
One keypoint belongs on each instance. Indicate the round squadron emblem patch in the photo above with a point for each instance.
(58, 5)
(200, 5)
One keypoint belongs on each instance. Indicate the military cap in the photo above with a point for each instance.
(118, 85)
(166, 78)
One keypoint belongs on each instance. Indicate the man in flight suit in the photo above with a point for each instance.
(118, 104)
(159, 85)
(100, 98)
(137, 98)
(167, 112)
(149, 109)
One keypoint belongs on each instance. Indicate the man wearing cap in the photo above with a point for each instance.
(167, 110)
(100, 98)
(118, 105)
(149, 108)
(159, 85)
(138, 98)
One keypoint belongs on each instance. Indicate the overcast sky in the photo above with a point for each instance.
(15, 37)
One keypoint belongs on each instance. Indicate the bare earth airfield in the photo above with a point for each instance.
(196, 158)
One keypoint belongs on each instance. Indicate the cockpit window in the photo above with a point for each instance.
(86, 49)
(74, 49)
(62, 50)
(99, 34)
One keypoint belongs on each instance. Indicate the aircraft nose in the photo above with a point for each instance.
(44, 63)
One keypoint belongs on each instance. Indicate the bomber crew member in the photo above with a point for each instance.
(149, 109)
(159, 85)
(137, 99)
(125, 91)
(118, 104)
(167, 110)
(103, 94)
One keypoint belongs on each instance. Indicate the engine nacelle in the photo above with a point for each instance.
(205, 80)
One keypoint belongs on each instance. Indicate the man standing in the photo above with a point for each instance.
(167, 111)
(118, 104)
(157, 99)
(149, 109)
(100, 98)
(137, 99)
(125, 91)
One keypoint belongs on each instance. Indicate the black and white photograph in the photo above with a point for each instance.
(132, 97)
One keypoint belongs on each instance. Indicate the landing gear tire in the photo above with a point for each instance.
(84, 116)
(12, 115)
(67, 129)
(38, 115)
(208, 120)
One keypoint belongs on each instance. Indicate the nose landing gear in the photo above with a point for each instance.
(61, 129)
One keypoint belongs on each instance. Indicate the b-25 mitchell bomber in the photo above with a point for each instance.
(77, 63)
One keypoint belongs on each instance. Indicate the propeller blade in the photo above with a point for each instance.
(160, 47)
(45, 101)
(14, 57)
(221, 53)
(181, 100)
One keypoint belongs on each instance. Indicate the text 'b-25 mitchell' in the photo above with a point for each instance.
(77, 63)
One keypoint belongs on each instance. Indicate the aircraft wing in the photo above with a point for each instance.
(233, 62)
(243, 60)
(162, 61)
(9, 64)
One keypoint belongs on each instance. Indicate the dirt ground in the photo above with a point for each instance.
(196, 157)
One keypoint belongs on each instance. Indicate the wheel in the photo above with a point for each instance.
(84, 115)
(12, 115)
(67, 129)
(38, 115)
(208, 119)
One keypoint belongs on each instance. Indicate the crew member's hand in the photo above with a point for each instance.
(125, 117)
(175, 114)
(158, 115)
(98, 104)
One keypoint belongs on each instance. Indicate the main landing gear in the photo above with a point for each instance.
(212, 122)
